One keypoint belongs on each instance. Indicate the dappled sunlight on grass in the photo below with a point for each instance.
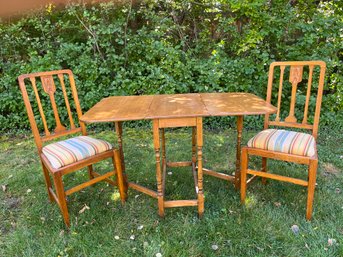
(115, 197)
(251, 201)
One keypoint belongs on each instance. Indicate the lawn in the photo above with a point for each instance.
(102, 226)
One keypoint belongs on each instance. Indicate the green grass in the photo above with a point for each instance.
(31, 226)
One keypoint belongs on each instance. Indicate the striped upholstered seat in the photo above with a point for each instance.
(75, 149)
(284, 141)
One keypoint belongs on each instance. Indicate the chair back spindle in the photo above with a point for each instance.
(295, 78)
(48, 87)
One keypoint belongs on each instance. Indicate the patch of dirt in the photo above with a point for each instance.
(329, 168)
(10, 204)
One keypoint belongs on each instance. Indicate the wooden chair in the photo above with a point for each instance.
(287, 145)
(65, 156)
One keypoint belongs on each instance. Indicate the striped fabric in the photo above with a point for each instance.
(284, 141)
(75, 149)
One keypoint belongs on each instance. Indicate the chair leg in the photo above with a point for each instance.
(244, 167)
(61, 197)
(312, 172)
(119, 173)
(90, 172)
(47, 182)
(264, 169)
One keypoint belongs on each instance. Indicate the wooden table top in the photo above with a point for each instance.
(177, 106)
(124, 108)
(119, 108)
(234, 104)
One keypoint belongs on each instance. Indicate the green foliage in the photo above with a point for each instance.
(156, 47)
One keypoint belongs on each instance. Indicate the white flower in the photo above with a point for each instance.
(331, 241)
(295, 229)
(215, 247)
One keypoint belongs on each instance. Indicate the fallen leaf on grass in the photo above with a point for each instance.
(307, 247)
(132, 237)
(116, 237)
(84, 208)
(28, 191)
(4, 187)
(140, 227)
(260, 249)
(277, 204)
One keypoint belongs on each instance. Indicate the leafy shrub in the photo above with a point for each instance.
(156, 47)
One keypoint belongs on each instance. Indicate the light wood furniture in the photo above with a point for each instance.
(177, 111)
(239, 105)
(170, 111)
(295, 71)
(52, 85)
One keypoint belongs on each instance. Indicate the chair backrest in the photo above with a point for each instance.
(295, 82)
(43, 86)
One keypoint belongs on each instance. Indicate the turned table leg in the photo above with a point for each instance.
(164, 161)
(238, 151)
(200, 173)
(119, 132)
(160, 196)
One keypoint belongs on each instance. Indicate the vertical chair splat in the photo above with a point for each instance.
(308, 94)
(50, 88)
(295, 77)
(282, 70)
(40, 108)
(61, 78)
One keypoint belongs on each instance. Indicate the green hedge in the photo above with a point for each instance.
(153, 47)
